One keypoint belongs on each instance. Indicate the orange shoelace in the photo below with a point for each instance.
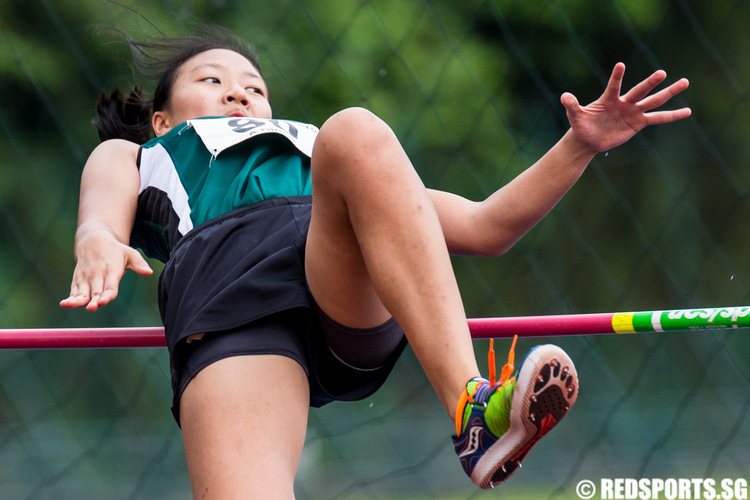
(505, 375)
(508, 368)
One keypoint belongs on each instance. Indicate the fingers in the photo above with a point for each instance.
(95, 287)
(100, 297)
(79, 296)
(614, 85)
(664, 95)
(138, 264)
(75, 301)
(570, 103)
(645, 87)
(92, 294)
(660, 98)
(639, 95)
(97, 292)
(100, 268)
(661, 117)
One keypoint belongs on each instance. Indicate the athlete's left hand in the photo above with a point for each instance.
(613, 119)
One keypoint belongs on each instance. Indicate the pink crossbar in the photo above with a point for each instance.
(90, 338)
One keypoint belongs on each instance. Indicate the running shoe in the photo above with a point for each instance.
(497, 424)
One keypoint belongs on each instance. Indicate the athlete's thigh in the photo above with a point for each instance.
(337, 275)
(243, 421)
(335, 268)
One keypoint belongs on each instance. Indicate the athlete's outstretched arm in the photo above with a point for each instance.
(109, 193)
(493, 226)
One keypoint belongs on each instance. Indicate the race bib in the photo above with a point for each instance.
(219, 134)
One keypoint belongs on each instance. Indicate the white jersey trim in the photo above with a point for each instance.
(158, 171)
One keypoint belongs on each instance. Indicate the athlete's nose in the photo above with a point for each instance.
(237, 94)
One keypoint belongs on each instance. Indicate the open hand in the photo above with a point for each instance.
(102, 261)
(613, 119)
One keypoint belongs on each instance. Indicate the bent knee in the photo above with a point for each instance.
(352, 132)
(352, 120)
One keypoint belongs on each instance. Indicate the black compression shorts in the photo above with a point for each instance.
(297, 335)
(239, 279)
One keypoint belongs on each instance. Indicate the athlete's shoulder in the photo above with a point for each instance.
(117, 145)
(116, 149)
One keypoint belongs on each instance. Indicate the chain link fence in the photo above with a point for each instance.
(472, 89)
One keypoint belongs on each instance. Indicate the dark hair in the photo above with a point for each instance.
(159, 58)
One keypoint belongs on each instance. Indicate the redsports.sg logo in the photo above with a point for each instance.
(670, 489)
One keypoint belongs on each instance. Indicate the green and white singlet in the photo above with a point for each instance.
(209, 167)
(226, 203)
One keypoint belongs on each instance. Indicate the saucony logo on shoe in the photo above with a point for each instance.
(473, 445)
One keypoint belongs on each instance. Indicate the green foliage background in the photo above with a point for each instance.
(472, 89)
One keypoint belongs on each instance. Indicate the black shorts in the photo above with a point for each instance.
(298, 336)
(237, 268)
(239, 279)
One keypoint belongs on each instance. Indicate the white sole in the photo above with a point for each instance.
(546, 390)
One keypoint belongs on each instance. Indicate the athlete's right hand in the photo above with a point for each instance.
(101, 261)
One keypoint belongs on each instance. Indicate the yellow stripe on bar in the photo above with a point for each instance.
(623, 322)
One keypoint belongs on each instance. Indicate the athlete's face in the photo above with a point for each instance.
(217, 82)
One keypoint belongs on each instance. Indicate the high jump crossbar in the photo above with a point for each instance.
(712, 318)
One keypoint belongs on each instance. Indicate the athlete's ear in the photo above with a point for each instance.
(160, 123)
